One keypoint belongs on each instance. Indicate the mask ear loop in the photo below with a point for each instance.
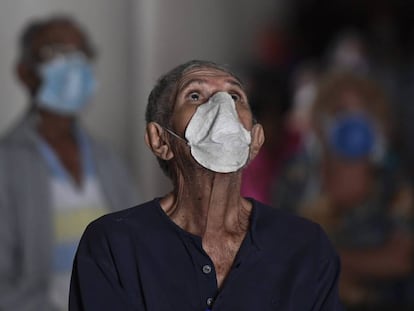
(175, 135)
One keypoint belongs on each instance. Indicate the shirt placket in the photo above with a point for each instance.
(205, 273)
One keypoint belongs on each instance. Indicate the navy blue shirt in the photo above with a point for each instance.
(138, 259)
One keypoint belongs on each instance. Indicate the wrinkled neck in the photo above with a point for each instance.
(206, 202)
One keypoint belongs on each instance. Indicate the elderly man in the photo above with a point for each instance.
(203, 246)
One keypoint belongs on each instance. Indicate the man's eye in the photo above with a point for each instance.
(235, 97)
(194, 96)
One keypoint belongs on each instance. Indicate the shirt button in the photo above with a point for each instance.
(209, 301)
(206, 269)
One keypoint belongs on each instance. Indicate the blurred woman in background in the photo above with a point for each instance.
(349, 181)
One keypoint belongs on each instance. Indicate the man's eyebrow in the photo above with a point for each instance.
(235, 83)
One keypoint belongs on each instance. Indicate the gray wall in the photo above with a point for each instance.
(137, 41)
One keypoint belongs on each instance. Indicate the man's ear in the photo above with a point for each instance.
(155, 140)
(27, 77)
(258, 139)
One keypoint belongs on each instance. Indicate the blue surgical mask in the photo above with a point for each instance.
(67, 84)
(354, 136)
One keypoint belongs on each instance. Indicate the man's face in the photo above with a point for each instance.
(197, 86)
(51, 41)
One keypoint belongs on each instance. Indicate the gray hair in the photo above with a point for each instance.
(162, 98)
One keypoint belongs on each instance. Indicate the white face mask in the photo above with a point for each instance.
(217, 139)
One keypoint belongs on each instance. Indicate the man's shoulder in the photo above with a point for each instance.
(17, 147)
(129, 228)
(286, 232)
(277, 220)
(136, 217)
(17, 134)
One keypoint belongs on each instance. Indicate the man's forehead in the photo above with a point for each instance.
(57, 33)
(206, 74)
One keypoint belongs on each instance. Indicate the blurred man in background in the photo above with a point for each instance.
(54, 177)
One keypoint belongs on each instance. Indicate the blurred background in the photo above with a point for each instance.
(331, 81)
(137, 41)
